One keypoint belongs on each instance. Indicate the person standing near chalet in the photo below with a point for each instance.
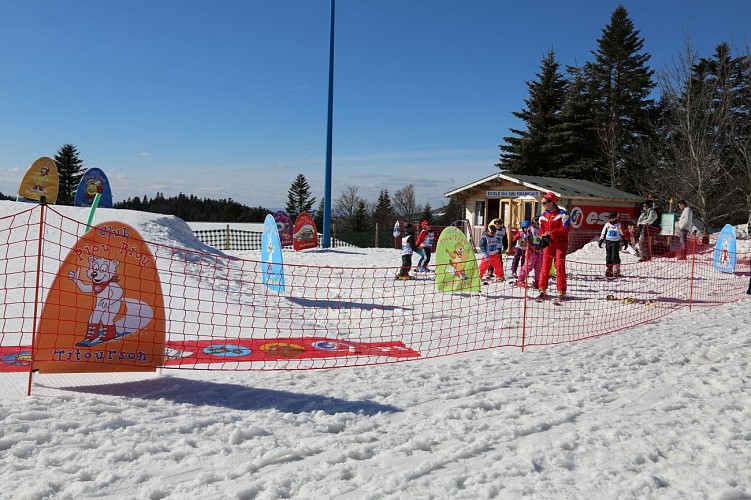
(530, 243)
(425, 246)
(684, 225)
(408, 247)
(490, 246)
(503, 238)
(554, 227)
(519, 244)
(613, 237)
(647, 232)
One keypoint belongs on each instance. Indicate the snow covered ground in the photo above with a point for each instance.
(658, 411)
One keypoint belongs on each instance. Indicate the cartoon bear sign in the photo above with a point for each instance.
(40, 180)
(105, 310)
(456, 267)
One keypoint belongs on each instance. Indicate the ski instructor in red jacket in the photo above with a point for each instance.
(554, 223)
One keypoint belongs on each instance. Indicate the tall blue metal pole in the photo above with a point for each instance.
(329, 132)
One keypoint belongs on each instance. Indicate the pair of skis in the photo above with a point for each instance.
(632, 300)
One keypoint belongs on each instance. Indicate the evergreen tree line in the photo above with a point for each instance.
(684, 133)
(192, 208)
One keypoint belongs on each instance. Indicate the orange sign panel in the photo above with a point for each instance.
(41, 180)
(105, 310)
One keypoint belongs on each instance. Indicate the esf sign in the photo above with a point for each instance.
(512, 194)
(593, 218)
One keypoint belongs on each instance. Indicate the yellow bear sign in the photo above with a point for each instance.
(40, 180)
(105, 310)
(456, 267)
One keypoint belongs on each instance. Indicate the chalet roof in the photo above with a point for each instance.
(564, 188)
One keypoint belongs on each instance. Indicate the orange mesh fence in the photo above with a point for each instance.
(220, 315)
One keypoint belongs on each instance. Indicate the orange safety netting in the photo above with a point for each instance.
(220, 315)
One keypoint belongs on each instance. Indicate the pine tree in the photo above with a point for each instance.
(298, 197)
(575, 132)
(452, 211)
(620, 84)
(532, 151)
(318, 219)
(70, 171)
(427, 213)
(360, 217)
(383, 213)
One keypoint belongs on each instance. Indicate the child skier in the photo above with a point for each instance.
(490, 246)
(530, 241)
(519, 245)
(408, 247)
(613, 236)
(425, 246)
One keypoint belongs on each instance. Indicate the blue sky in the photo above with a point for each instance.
(228, 99)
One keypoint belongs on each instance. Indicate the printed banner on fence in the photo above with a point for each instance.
(284, 227)
(725, 250)
(305, 235)
(40, 180)
(105, 310)
(92, 182)
(197, 352)
(456, 267)
(246, 350)
(272, 267)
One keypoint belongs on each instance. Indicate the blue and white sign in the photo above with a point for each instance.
(512, 194)
(724, 250)
(272, 267)
(93, 182)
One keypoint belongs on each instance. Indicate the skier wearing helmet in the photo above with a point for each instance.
(533, 255)
(554, 226)
(425, 246)
(520, 245)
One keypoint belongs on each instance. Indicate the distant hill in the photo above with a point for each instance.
(192, 208)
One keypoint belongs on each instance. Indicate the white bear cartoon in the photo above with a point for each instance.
(102, 325)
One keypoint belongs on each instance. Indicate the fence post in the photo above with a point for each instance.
(693, 270)
(226, 238)
(40, 249)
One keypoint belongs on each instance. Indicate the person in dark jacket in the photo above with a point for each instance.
(647, 232)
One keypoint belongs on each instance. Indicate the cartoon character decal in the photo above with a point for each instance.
(102, 326)
(22, 358)
(93, 187)
(456, 260)
(41, 180)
